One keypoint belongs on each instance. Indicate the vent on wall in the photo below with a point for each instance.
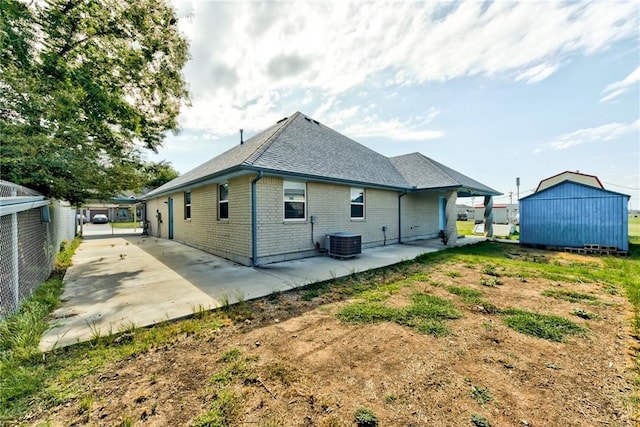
(344, 245)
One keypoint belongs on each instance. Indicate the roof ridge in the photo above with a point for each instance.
(441, 168)
(405, 154)
(255, 155)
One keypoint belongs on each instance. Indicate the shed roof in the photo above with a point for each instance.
(578, 185)
(299, 146)
(582, 178)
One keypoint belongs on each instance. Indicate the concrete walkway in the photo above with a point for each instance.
(119, 281)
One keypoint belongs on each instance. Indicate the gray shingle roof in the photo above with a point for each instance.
(235, 156)
(425, 173)
(307, 147)
(301, 146)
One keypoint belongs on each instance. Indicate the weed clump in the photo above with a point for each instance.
(481, 394)
(584, 314)
(490, 270)
(490, 282)
(365, 417)
(479, 421)
(571, 296)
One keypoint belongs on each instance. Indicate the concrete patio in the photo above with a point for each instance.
(117, 281)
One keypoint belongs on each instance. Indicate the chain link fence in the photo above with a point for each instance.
(32, 230)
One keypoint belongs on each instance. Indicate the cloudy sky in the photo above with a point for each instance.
(493, 90)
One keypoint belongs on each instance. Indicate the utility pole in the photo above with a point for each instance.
(509, 217)
(518, 188)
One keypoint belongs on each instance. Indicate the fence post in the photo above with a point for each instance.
(15, 266)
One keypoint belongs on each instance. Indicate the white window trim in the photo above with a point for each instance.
(363, 204)
(294, 185)
(221, 201)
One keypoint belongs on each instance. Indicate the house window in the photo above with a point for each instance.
(357, 203)
(123, 214)
(223, 201)
(294, 200)
(187, 205)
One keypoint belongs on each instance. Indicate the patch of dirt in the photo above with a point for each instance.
(328, 369)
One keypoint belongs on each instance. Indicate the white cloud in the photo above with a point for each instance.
(408, 130)
(246, 56)
(618, 88)
(536, 73)
(606, 132)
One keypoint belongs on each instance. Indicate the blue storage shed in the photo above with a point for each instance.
(572, 214)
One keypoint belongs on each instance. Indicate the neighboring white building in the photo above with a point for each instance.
(503, 213)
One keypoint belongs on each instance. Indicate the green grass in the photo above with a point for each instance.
(634, 229)
(132, 224)
(27, 376)
(552, 328)
(223, 410)
(473, 296)
(467, 294)
(490, 270)
(238, 367)
(571, 296)
(616, 272)
(425, 314)
(315, 290)
(465, 228)
(226, 403)
(30, 381)
(21, 332)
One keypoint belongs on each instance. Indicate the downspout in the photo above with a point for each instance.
(400, 215)
(254, 220)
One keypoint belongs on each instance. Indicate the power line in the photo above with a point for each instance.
(622, 186)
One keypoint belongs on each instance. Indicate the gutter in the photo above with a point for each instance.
(247, 169)
(400, 215)
(254, 219)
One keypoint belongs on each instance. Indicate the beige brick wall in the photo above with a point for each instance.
(330, 205)
(420, 215)
(280, 240)
(230, 238)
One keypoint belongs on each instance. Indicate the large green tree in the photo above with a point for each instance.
(85, 87)
(158, 173)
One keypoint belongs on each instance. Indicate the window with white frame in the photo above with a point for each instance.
(357, 203)
(187, 205)
(295, 195)
(223, 201)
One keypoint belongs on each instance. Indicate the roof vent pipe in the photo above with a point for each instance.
(241, 140)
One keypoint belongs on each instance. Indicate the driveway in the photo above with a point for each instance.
(119, 281)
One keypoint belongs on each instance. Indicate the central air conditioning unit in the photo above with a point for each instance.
(344, 245)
